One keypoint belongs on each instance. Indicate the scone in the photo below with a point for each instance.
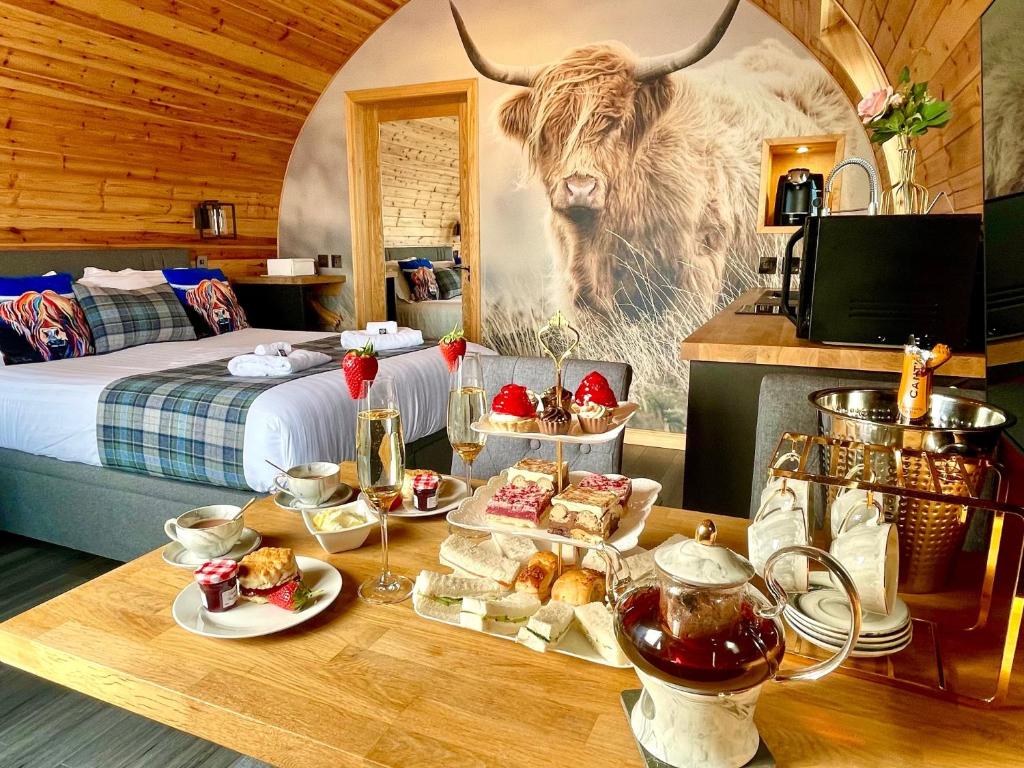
(263, 571)
(579, 587)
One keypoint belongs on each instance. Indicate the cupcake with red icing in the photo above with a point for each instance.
(513, 410)
(595, 403)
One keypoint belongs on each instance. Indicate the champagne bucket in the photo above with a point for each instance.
(930, 533)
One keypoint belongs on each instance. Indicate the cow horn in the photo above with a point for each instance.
(486, 67)
(654, 67)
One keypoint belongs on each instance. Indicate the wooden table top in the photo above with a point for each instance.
(771, 340)
(378, 686)
(288, 279)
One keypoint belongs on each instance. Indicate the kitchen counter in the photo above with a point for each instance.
(771, 340)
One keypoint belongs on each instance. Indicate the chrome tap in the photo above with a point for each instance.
(826, 210)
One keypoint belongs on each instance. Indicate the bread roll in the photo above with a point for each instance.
(536, 577)
(579, 587)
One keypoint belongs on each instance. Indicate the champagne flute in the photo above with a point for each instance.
(467, 402)
(380, 463)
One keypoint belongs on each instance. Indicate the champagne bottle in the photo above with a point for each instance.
(916, 380)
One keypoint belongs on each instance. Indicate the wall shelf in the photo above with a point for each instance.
(778, 155)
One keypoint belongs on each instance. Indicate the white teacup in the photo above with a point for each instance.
(870, 553)
(851, 506)
(207, 531)
(312, 483)
(779, 523)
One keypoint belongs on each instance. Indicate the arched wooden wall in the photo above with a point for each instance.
(117, 116)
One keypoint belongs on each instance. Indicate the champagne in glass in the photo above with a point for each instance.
(467, 403)
(380, 464)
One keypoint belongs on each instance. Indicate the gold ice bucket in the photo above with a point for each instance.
(961, 431)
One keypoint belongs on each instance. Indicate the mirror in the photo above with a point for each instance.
(420, 209)
(1002, 117)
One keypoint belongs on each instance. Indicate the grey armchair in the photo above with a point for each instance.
(538, 374)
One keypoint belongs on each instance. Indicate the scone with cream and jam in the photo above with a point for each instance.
(263, 571)
(513, 410)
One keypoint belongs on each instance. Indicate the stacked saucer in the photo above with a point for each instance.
(822, 617)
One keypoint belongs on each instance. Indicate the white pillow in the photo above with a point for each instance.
(125, 280)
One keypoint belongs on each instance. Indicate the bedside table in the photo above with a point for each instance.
(289, 303)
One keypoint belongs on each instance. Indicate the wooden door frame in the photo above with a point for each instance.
(365, 110)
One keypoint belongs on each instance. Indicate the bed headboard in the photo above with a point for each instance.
(432, 252)
(75, 261)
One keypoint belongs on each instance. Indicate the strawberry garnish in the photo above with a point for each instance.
(595, 389)
(359, 365)
(293, 596)
(453, 346)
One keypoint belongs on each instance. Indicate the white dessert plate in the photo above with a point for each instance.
(449, 496)
(858, 651)
(343, 495)
(830, 610)
(255, 620)
(573, 644)
(471, 514)
(620, 417)
(175, 554)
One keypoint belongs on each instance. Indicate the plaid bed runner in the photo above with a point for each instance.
(189, 423)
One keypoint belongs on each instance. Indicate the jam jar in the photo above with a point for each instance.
(425, 487)
(218, 584)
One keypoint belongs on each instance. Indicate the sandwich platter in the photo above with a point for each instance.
(247, 619)
(620, 417)
(472, 515)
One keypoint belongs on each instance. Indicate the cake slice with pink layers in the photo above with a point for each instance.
(525, 506)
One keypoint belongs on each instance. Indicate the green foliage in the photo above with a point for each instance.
(911, 112)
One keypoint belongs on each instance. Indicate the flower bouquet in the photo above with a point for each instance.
(906, 112)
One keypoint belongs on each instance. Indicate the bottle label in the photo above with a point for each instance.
(915, 389)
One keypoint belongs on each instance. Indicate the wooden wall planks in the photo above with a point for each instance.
(117, 116)
(419, 162)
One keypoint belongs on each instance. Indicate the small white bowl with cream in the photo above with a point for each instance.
(341, 528)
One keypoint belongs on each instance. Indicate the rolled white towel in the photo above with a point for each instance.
(389, 326)
(406, 337)
(274, 348)
(259, 366)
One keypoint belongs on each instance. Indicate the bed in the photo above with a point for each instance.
(434, 318)
(55, 484)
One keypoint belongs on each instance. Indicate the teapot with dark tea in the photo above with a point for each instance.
(703, 640)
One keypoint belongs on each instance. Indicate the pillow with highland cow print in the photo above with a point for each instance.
(41, 320)
(209, 301)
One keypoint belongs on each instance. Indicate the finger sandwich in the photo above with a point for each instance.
(505, 615)
(547, 627)
(441, 595)
(465, 555)
(598, 626)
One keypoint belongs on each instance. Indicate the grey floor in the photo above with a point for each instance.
(46, 726)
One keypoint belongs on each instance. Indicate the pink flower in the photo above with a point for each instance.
(896, 100)
(874, 104)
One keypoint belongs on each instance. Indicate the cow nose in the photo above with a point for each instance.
(580, 187)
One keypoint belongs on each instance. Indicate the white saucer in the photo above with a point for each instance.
(859, 652)
(797, 619)
(175, 554)
(343, 495)
(450, 495)
(829, 609)
(255, 620)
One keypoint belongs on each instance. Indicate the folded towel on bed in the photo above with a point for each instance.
(406, 337)
(273, 348)
(255, 366)
(388, 326)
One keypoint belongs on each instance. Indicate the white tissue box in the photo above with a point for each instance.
(291, 267)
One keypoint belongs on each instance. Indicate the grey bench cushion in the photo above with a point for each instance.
(538, 374)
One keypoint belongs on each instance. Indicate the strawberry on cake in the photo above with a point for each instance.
(525, 506)
(513, 410)
(595, 389)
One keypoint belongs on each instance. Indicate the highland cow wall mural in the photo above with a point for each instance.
(620, 161)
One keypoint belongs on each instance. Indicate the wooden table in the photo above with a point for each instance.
(378, 686)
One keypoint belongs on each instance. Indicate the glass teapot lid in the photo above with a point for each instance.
(700, 562)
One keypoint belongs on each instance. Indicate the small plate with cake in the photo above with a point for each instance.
(591, 509)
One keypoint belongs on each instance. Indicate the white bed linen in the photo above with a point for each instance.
(435, 318)
(49, 409)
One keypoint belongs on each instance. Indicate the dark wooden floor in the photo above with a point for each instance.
(46, 726)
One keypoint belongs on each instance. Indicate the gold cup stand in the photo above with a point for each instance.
(959, 644)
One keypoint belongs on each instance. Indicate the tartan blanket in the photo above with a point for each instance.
(189, 423)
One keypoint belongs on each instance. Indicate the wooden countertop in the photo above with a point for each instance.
(288, 280)
(771, 340)
(378, 686)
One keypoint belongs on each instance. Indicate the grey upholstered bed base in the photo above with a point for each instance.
(120, 514)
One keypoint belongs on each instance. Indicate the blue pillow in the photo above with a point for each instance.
(41, 320)
(208, 299)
